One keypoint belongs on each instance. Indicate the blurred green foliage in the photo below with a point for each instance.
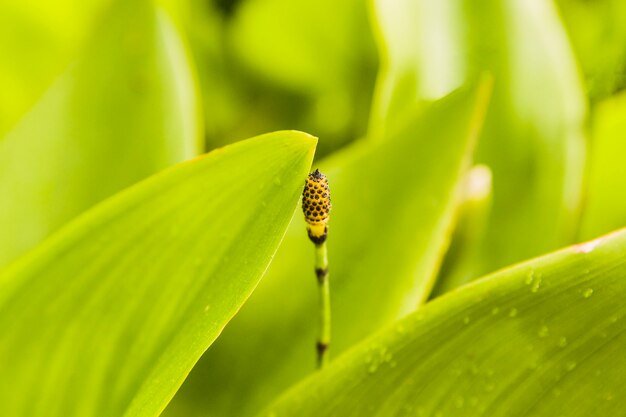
(459, 137)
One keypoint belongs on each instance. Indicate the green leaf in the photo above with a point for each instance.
(393, 207)
(124, 111)
(107, 317)
(533, 138)
(605, 208)
(39, 40)
(597, 30)
(544, 338)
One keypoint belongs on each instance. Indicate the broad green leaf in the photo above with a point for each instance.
(545, 338)
(598, 33)
(393, 207)
(605, 208)
(533, 138)
(125, 110)
(37, 42)
(108, 316)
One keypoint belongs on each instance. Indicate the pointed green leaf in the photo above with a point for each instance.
(124, 111)
(545, 338)
(108, 316)
(533, 138)
(605, 206)
(393, 206)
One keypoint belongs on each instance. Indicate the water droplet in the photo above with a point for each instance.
(373, 367)
(536, 284)
(466, 319)
(563, 341)
(613, 319)
(588, 292)
(277, 181)
(570, 365)
(495, 311)
(513, 312)
(543, 331)
(207, 308)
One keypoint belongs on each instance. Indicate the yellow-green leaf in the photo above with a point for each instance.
(125, 110)
(533, 137)
(107, 317)
(542, 339)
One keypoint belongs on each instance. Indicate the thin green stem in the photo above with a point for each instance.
(321, 271)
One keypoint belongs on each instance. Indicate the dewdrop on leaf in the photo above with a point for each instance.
(316, 206)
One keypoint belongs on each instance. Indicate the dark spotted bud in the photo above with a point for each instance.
(316, 205)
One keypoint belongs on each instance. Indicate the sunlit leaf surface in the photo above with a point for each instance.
(544, 338)
(108, 316)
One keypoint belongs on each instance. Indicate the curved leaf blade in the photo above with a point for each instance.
(108, 316)
(533, 139)
(543, 338)
(124, 111)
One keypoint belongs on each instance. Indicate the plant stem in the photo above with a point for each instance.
(321, 271)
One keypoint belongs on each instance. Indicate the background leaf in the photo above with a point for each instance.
(393, 208)
(597, 30)
(605, 207)
(271, 64)
(533, 137)
(124, 111)
(38, 41)
(108, 316)
(543, 338)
